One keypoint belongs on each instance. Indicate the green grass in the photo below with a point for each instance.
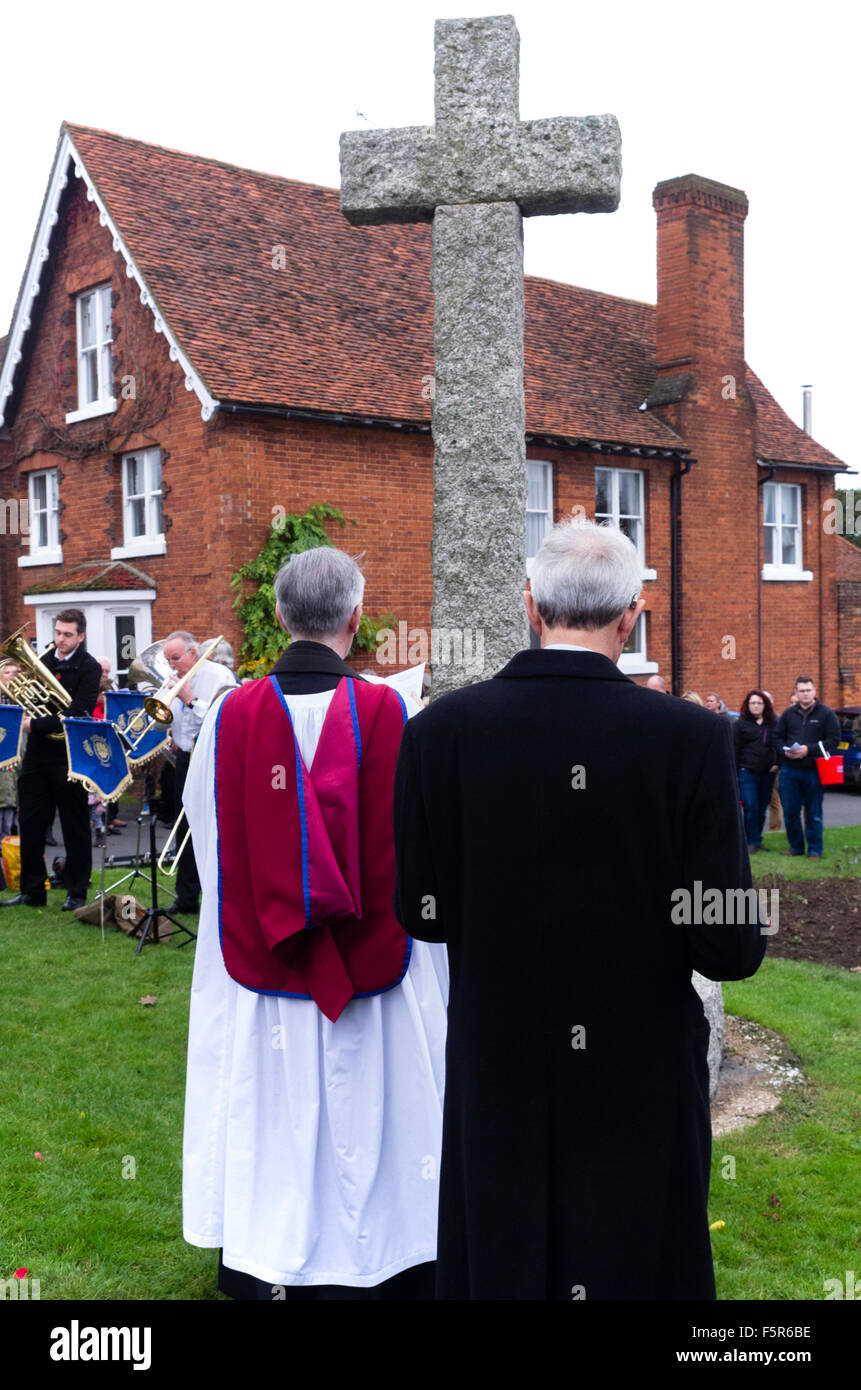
(90, 1077)
(807, 1152)
(841, 856)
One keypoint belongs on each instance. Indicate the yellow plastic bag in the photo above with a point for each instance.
(11, 849)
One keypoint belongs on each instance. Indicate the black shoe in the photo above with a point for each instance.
(112, 830)
(187, 909)
(71, 903)
(24, 900)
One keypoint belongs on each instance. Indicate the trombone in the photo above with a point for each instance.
(169, 872)
(151, 667)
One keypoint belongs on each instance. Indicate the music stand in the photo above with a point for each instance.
(154, 912)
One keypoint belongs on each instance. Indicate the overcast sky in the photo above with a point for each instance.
(760, 95)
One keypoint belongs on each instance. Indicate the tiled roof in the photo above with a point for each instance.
(96, 574)
(848, 561)
(778, 438)
(347, 325)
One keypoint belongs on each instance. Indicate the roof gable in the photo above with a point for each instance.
(268, 297)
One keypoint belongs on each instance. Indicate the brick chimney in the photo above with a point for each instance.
(700, 313)
(701, 392)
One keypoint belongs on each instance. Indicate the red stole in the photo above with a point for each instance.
(306, 859)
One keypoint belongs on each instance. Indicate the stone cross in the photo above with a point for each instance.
(474, 174)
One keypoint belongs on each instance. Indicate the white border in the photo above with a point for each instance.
(41, 253)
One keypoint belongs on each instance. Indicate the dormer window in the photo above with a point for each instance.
(95, 367)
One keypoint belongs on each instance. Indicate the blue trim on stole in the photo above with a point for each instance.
(355, 718)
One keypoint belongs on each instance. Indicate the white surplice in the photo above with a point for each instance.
(311, 1149)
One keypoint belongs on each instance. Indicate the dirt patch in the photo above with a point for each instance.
(758, 1068)
(820, 920)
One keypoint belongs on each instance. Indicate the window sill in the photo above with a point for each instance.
(786, 573)
(149, 545)
(633, 665)
(41, 557)
(89, 412)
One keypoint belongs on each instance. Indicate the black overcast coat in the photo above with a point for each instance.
(569, 1168)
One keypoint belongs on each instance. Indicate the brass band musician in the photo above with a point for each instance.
(190, 701)
(43, 787)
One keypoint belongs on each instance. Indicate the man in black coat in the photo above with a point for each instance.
(559, 828)
(813, 730)
(43, 787)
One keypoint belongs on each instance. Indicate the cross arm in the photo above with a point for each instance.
(388, 175)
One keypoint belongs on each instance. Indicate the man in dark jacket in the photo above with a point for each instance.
(548, 825)
(43, 787)
(811, 729)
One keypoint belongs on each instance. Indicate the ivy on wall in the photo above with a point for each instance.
(264, 640)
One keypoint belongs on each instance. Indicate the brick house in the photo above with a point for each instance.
(196, 345)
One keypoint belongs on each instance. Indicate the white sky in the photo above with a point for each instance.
(761, 95)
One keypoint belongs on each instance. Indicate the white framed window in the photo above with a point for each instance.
(619, 499)
(95, 366)
(43, 498)
(143, 532)
(539, 506)
(781, 532)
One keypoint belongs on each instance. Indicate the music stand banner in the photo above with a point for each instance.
(124, 709)
(11, 724)
(96, 757)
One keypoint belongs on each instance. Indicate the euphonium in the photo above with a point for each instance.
(34, 688)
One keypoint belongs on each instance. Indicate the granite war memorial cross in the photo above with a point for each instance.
(475, 174)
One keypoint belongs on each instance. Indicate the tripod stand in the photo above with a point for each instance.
(153, 913)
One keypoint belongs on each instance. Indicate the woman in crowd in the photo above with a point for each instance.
(757, 754)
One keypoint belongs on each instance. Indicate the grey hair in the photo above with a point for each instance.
(222, 655)
(187, 639)
(585, 575)
(317, 590)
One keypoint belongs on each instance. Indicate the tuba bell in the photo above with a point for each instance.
(34, 687)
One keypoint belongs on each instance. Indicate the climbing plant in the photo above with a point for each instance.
(289, 534)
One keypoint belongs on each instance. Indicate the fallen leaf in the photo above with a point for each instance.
(717, 1225)
(148, 999)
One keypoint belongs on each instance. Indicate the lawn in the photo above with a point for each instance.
(94, 1082)
(841, 856)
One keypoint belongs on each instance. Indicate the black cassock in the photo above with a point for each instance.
(543, 821)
